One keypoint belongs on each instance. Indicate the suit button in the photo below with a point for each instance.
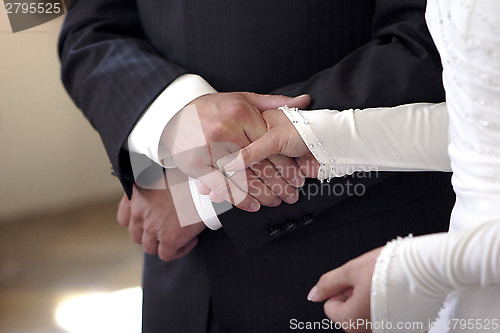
(275, 231)
(290, 225)
(307, 219)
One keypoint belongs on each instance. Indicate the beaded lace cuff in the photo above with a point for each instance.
(328, 168)
(379, 306)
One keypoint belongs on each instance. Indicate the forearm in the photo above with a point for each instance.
(111, 71)
(412, 137)
(424, 270)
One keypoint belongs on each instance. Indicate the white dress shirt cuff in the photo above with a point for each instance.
(146, 134)
(204, 206)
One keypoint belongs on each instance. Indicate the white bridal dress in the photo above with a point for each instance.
(455, 274)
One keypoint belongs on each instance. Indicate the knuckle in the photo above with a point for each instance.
(150, 228)
(165, 239)
(136, 215)
(217, 132)
(237, 109)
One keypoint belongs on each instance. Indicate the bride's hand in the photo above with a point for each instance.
(347, 292)
(281, 138)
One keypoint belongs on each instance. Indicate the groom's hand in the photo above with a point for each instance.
(164, 222)
(281, 138)
(215, 125)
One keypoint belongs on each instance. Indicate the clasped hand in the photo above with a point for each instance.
(215, 125)
(280, 139)
(202, 133)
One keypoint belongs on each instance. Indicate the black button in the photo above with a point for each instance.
(307, 219)
(290, 225)
(275, 231)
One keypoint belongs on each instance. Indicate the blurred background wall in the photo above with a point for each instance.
(65, 264)
(50, 157)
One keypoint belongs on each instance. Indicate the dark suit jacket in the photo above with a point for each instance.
(118, 55)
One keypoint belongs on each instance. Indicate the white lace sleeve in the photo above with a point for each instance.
(416, 274)
(412, 137)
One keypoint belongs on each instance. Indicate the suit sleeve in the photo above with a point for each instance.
(111, 72)
(399, 65)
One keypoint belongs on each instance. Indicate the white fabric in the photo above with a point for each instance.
(412, 279)
(146, 134)
(411, 137)
(414, 275)
(204, 206)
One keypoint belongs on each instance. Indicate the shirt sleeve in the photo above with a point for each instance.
(418, 273)
(412, 137)
(204, 206)
(145, 136)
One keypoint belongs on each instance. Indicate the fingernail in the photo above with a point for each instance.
(312, 294)
(292, 199)
(276, 202)
(255, 206)
(302, 95)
